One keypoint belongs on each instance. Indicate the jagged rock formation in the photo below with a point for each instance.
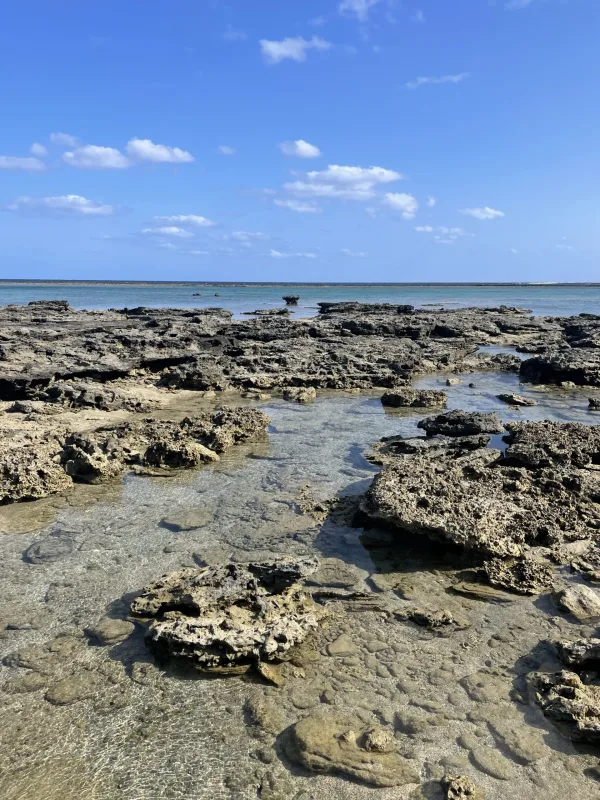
(414, 398)
(225, 619)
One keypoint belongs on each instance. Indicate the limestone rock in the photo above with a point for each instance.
(580, 600)
(336, 743)
(461, 423)
(413, 398)
(517, 400)
(109, 631)
(570, 703)
(583, 654)
(300, 394)
(228, 617)
(342, 646)
(432, 619)
(461, 787)
(492, 762)
(191, 520)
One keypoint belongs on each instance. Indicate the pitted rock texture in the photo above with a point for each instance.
(567, 701)
(225, 619)
(461, 423)
(414, 398)
(515, 510)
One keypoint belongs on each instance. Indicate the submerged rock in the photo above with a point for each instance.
(516, 400)
(226, 618)
(300, 394)
(340, 744)
(414, 398)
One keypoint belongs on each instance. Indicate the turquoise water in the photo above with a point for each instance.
(545, 299)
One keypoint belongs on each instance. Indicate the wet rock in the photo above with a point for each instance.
(342, 646)
(415, 398)
(192, 519)
(291, 299)
(49, 550)
(524, 744)
(334, 572)
(300, 394)
(87, 394)
(579, 366)
(108, 631)
(485, 687)
(30, 472)
(520, 575)
(461, 423)
(552, 444)
(228, 617)
(581, 601)
(492, 762)
(335, 743)
(271, 674)
(453, 381)
(82, 685)
(516, 400)
(461, 787)
(433, 619)
(570, 704)
(32, 682)
(594, 403)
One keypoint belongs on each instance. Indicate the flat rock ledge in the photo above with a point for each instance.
(517, 512)
(330, 742)
(225, 619)
(414, 398)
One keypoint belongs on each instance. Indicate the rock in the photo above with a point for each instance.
(521, 575)
(109, 631)
(594, 403)
(226, 618)
(192, 519)
(74, 688)
(485, 687)
(516, 400)
(47, 551)
(579, 600)
(583, 654)
(453, 381)
(432, 619)
(30, 472)
(416, 398)
(89, 394)
(379, 740)
(291, 299)
(461, 787)
(461, 423)
(32, 682)
(270, 673)
(336, 573)
(492, 762)
(300, 394)
(342, 646)
(578, 366)
(524, 744)
(335, 743)
(570, 704)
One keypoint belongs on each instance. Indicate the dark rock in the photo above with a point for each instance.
(291, 299)
(49, 550)
(461, 423)
(516, 400)
(418, 398)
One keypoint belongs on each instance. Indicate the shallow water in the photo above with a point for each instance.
(147, 733)
(547, 299)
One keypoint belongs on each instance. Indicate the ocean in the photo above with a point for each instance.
(542, 299)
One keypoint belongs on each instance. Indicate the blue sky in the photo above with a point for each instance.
(284, 140)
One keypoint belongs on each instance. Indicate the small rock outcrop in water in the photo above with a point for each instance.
(341, 744)
(516, 400)
(461, 423)
(291, 299)
(515, 512)
(300, 394)
(571, 698)
(225, 619)
(414, 398)
(51, 464)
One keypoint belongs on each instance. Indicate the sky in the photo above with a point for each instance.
(300, 140)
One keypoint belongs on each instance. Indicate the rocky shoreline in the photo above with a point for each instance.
(476, 619)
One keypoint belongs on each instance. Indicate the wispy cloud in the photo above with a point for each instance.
(38, 150)
(418, 16)
(298, 206)
(357, 8)
(226, 150)
(187, 219)
(353, 253)
(64, 139)
(68, 204)
(436, 79)
(233, 35)
(450, 233)
(300, 149)
(279, 254)
(23, 164)
(482, 213)
(293, 48)
(431, 201)
(406, 204)
(168, 230)
(146, 150)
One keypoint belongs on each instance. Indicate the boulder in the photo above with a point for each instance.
(516, 400)
(225, 618)
(571, 704)
(461, 423)
(581, 601)
(300, 394)
(461, 787)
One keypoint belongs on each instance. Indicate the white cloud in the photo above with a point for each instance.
(293, 48)
(278, 254)
(247, 238)
(26, 164)
(72, 204)
(439, 240)
(431, 201)
(146, 150)
(91, 156)
(225, 150)
(297, 205)
(346, 183)
(422, 81)
(38, 150)
(564, 247)
(187, 219)
(167, 245)
(482, 213)
(451, 233)
(424, 229)
(405, 203)
(300, 149)
(357, 8)
(353, 254)
(168, 230)
(418, 16)
(64, 139)
(199, 253)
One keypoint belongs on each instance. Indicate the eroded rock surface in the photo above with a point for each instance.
(226, 618)
(414, 398)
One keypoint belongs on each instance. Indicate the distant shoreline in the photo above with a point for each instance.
(232, 284)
